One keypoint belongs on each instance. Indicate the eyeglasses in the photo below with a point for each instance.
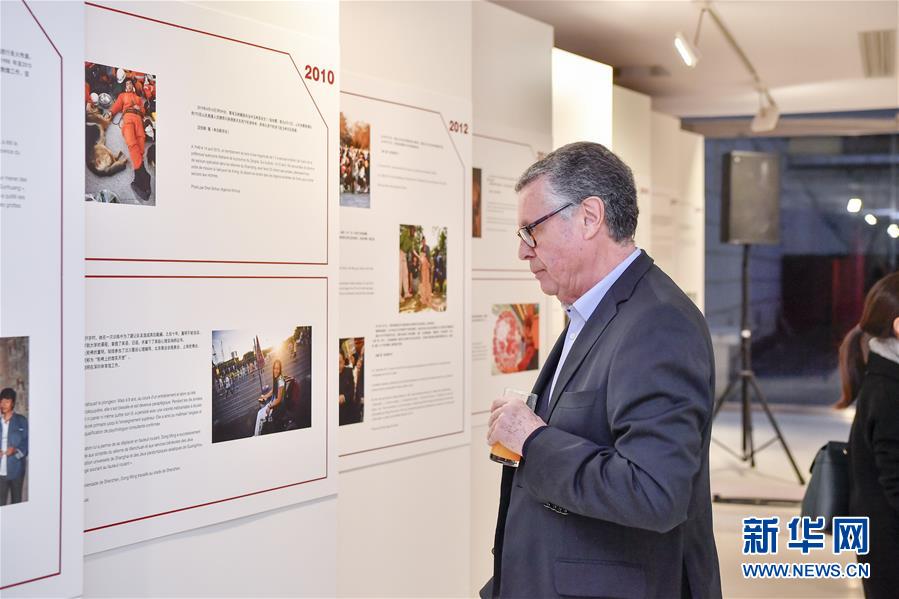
(525, 232)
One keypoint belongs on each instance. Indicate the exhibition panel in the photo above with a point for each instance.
(404, 184)
(41, 314)
(162, 412)
(211, 287)
(500, 156)
(509, 340)
(509, 311)
(243, 131)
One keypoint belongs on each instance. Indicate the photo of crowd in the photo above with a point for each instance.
(14, 384)
(351, 381)
(422, 269)
(516, 338)
(355, 164)
(120, 135)
(475, 202)
(261, 382)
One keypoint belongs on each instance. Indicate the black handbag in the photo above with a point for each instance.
(827, 494)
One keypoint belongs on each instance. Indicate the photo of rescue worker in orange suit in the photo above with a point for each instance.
(120, 135)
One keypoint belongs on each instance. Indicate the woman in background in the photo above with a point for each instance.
(869, 368)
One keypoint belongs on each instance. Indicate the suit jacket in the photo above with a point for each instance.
(18, 438)
(874, 472)
(612, 498)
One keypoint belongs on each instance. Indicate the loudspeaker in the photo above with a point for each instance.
(750, 198)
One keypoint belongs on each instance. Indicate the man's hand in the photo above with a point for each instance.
(511, 423)
(10, 450)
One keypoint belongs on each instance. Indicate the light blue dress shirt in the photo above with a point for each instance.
(582, 309)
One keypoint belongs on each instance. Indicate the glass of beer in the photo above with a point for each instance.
(498, 453)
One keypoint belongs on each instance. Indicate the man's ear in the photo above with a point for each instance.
(593, 216)
(896, 326)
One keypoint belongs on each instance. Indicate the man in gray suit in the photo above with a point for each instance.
(611, 498)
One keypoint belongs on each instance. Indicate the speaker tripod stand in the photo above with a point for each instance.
(746, 381)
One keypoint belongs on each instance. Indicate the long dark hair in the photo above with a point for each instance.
(275, 378)
(880, 310)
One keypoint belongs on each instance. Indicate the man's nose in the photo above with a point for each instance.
(525, 252)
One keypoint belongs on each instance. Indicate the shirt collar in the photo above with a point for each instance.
(584, 306)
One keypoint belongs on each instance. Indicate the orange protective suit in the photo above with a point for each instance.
(132, 125)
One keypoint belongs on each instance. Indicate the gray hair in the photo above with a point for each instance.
(583, 169)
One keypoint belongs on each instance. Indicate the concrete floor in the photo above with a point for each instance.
(806, 430)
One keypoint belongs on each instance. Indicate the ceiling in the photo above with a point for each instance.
(806, 51)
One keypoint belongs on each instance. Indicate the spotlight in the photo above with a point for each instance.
(767, 116)
(854, 205)
(893, 231)
(689, 53)
(871, 219)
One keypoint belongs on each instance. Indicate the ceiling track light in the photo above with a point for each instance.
(768, 114)
(689, 51)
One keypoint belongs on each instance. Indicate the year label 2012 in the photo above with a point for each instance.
(457, 127)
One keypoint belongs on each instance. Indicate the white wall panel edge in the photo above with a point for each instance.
(512, 103)
(403, 526)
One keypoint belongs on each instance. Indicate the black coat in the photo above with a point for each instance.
(874, 472)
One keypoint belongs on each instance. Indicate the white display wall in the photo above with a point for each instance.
(669, 171)
(512, 106)
(582, 111)
(582, 99)
(252, 247)
(402, 526)
(678, 205)
(42, 295)
(632, 142)
(253, 274)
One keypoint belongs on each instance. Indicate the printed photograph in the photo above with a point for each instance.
(261, 382)
(351, 382)
(516, 338)
(475, 202)
(119, 135)
(14, 412)
(422, 268)
(355, 163)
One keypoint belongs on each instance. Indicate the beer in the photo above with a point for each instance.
(499, 453)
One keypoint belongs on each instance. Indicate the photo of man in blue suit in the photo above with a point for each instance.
(13, 449)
